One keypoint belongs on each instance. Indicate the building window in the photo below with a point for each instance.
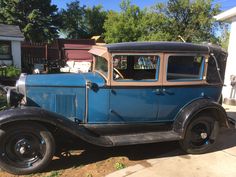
(5, 50)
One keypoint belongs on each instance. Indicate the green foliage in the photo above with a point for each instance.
(37, 20)
(119, 166)
(123, 26)
(89, 175)
(224, 38)
(54, 174)
(95, 18)
(81, 22)
(12, 71)
(193, 20)
(3, 100)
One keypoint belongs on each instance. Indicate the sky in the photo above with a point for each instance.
(114, 4)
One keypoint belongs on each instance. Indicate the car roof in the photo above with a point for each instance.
(163, 47)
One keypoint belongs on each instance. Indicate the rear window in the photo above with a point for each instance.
(185, 68)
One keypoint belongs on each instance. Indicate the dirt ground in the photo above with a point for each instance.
(91, 161)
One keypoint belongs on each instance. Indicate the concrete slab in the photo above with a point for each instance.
(127, 171)
(221, 162)
(217, 164)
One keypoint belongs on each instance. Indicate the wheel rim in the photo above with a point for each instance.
(200, 135)
(23, 149)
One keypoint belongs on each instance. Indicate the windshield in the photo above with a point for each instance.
(101, 65)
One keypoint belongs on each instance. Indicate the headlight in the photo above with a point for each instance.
(16, 94)
(13, 98)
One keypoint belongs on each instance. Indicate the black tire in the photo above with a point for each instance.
(201, 135)
(25, 148)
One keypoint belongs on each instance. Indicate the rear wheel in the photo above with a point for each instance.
(25, 148)
(201, 135)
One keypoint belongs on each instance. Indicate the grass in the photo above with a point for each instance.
(89, 175)
(12, 71)
(3, 100)
(119, 166)
(54, 174)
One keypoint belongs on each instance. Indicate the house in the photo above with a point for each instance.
(229, 91)
(10, 45)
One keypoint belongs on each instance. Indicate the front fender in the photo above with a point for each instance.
(31, 113)
(61, 122)
(191, 110)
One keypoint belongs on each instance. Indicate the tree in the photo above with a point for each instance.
(224, 38)
(81, 22)
(73, 20)
(123, 26)
(95, 18)
(193, 20)
(38, 21)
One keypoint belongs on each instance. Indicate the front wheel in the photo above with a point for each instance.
(25, 148)
(201, 135)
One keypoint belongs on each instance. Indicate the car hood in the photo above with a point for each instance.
(64, 80)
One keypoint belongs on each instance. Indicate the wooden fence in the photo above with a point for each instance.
(54, 55)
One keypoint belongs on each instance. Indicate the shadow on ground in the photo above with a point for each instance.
(86, 153)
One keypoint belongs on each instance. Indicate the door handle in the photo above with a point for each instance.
(157, 91)
(167, 92)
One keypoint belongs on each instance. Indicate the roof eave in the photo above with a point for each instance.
(229, 15)
(11, 38)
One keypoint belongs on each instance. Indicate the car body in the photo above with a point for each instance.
(137, 92)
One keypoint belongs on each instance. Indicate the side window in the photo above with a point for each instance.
(185, 68)
(101, 65)
(135, 67)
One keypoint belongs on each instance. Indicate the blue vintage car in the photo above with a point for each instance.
(141, 92)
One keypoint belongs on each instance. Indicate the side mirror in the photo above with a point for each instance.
(92, 86)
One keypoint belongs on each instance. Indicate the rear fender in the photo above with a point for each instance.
(204, 106)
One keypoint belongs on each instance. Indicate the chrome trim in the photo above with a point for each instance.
(87, 87)
(8, 97)
(9, 89)
(20, 84)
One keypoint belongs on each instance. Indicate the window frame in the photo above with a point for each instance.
(9, 56)
(145, 82)
(203, 71)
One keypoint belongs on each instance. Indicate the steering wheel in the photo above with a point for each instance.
(117, 74)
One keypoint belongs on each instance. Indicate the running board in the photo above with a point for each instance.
(143, 138)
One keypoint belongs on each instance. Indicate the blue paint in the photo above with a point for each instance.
(98, 111)
(65, 95)
(133, 105)
(178, 97)
(61, 93)
(63, 80)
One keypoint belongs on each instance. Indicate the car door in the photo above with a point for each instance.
(183, 82)
(135, 88)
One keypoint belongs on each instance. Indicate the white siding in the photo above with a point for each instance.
(231, 61)
(16, 53)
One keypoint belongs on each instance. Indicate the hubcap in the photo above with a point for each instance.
(200, 133)
(203, 135)
(23, 149)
